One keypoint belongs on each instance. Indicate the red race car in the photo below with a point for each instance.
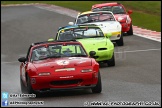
(59, 65)
(120, 14)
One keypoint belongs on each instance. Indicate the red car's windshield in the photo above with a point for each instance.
(57, 50)
(113, 9)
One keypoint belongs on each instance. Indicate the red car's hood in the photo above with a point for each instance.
(58, 63)
(120, 15)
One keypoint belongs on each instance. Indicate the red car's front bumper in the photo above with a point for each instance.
(83, 80)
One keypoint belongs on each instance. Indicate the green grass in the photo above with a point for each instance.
(146, 14)
(150, 7)
(143, 20)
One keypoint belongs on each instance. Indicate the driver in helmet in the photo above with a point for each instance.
(42, 53)
(67, 52)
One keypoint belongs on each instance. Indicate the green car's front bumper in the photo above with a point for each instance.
(102, 55)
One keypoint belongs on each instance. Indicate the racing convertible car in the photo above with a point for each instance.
(120, 14)
(92, 38)
(105, 20)
(59, 65)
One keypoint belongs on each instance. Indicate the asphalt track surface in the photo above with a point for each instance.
(135, 78)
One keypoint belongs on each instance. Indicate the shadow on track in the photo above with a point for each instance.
(63, 93)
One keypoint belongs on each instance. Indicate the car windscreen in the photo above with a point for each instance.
(95, 17)
(80, 33)
(113, 9)
(57, 51)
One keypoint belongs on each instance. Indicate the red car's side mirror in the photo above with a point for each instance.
(130, 12)
(22, 59)
(92, 53)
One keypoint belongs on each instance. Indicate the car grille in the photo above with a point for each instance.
(66, 82)
(102, 48)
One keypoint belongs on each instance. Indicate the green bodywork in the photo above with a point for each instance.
(93, 44)
(103, 47)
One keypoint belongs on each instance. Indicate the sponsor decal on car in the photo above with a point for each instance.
(67, 77)
(62, 62)
(65, 69)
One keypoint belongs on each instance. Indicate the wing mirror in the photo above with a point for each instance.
(22, 59)
(71, 23)
(130, 12)
(92, 53)
(108, 35)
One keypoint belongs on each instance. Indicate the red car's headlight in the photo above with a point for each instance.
(122, 20)
(86, 70)
(44, 74)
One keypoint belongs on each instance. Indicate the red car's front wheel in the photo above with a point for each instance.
(98, 87)
(130, 32)
(29, 87)
(23, 89)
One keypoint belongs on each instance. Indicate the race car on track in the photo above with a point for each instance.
(59, 65)
(105, 20)
(119, 12)
(92, 38)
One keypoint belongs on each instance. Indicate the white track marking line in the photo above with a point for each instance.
(139, 50)
(145, 36)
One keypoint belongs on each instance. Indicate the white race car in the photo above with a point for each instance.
(105, 20)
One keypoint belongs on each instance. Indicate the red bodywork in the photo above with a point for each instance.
(126, 22)
(60, 78)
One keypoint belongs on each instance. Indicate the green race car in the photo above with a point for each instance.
(92, 38)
